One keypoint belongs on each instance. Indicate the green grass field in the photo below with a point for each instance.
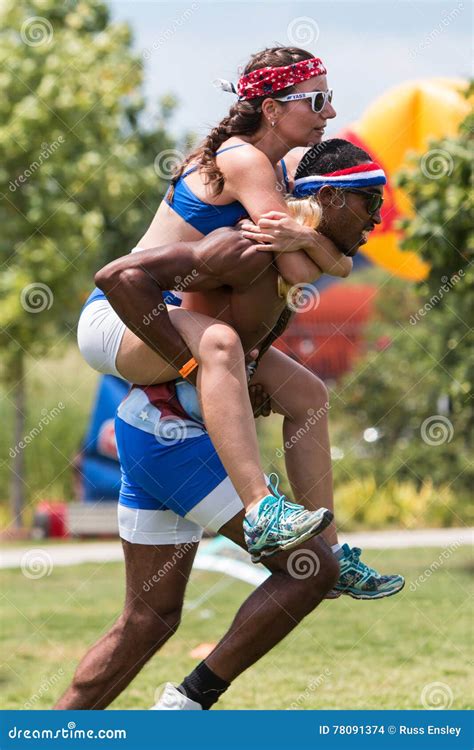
(347, 655)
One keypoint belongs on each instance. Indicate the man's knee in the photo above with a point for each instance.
(313, 569)
(151, 627)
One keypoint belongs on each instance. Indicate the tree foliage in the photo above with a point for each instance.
(76, 163)
(417, 390)
(78, 173)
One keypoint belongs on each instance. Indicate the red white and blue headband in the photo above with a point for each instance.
(360, 176)
(266, 81)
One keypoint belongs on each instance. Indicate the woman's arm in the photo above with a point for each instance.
(279, 233)
(251, 179)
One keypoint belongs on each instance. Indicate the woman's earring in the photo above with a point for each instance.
(273, 123)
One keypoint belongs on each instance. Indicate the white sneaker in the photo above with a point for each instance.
(173, 700)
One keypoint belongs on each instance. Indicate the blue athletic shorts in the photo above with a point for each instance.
(173, 482)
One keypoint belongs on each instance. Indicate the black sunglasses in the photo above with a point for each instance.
(374, 201)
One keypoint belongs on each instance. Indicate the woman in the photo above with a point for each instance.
(283, 103)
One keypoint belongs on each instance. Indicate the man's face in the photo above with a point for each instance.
(346, 219)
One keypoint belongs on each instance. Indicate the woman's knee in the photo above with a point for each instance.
(312, 398)
(220, 343)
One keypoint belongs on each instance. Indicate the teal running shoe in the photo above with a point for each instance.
(361, 582)
(281, 525)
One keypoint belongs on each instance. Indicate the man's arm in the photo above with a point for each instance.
(134, 284)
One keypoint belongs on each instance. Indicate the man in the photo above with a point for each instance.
(172, 488)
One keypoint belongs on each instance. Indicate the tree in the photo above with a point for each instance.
(417, 390)
(76, 173)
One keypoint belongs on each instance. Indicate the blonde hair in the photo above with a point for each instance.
(306, 211)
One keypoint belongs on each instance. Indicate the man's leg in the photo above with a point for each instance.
(275, 608)
(272, 611)
(156, 578)
(303, 400)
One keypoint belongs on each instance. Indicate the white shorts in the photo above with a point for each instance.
(99, 335)
(100, 330)
(143, 526)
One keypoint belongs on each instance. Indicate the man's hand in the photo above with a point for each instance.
(260, 401)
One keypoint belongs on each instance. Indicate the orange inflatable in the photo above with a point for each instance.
(403, 120)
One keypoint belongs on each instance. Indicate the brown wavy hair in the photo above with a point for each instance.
(244, 118)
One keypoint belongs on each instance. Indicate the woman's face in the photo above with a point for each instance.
(297, 124)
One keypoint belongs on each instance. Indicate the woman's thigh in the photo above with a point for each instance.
(290, 386)
(138, 363)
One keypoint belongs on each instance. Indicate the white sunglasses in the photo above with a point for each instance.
(319, 99)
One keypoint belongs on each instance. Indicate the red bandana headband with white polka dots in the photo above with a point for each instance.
(265, 81)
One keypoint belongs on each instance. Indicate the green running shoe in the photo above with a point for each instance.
(281, 525)
(361, 582)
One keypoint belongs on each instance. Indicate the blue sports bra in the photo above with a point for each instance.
(204, 216)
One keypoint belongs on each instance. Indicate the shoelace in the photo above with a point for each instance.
(355, 557)
(290, 511)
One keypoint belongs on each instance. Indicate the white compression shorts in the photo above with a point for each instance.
(100, 331)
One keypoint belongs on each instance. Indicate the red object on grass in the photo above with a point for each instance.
(51, 518)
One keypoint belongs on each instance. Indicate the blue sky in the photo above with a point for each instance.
(367, 47)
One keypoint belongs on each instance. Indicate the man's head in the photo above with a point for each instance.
(348, 187)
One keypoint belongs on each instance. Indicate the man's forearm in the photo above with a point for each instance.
(134, 284)
(134, 287)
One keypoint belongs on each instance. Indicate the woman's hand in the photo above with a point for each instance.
(277, 233)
